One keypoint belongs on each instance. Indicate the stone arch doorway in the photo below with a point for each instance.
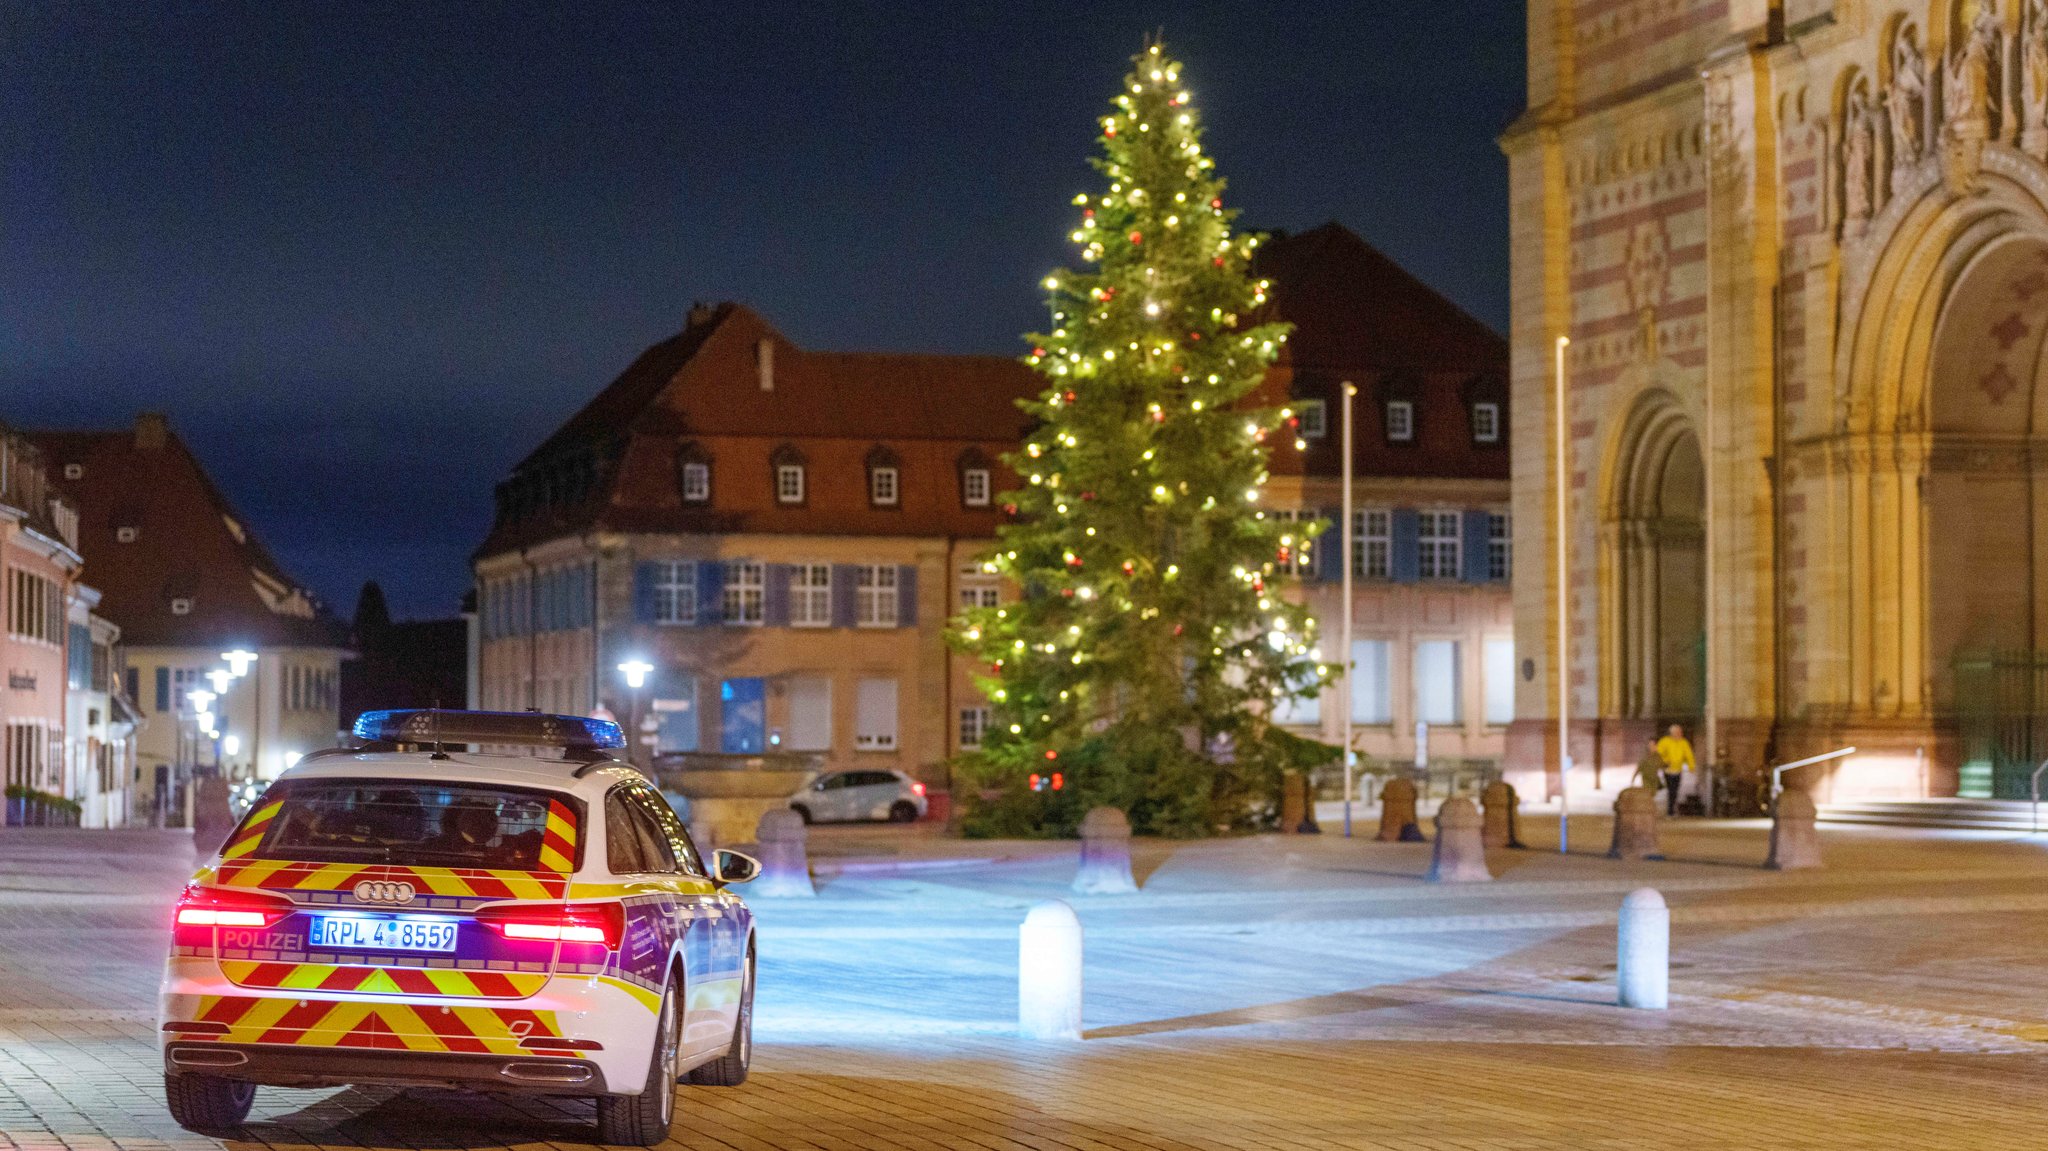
(1656, 561)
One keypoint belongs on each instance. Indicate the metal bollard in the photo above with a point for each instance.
(1049, 973)
(1643, 951)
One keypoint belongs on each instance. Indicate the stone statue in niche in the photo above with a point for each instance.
(1906, 101)
(1968, 95)
(2034, 80)
(1858, 146)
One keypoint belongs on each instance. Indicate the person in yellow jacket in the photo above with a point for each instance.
(1676, 752)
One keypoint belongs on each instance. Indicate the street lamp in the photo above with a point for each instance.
(220, 678)
(635, 671)
(239, 661)
(231, 745)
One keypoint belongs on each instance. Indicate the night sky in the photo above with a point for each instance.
(368, 255)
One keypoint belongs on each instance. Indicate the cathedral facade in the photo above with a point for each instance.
(1799, 249)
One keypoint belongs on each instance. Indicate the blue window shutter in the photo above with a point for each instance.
(906, 596)
(1329, 547)
(1407, 542)
(711, 592)
(643, 592)
(163, 689)
(1475, 546)
(842, 595)
(775, 597)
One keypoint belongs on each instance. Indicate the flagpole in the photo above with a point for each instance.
(1564, 632)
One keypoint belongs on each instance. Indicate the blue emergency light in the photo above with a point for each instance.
(509, 728)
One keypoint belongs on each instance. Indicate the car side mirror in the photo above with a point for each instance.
(733, 867)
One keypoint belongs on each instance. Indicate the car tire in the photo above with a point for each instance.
(903, 811)
(803, 813)
(208, 1104)
(644, 1120)
(730, 1069)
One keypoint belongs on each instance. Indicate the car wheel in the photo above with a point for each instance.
(643, 1120)
(208, 1104)
(730, 1069)
(903, 811)
(803, 813)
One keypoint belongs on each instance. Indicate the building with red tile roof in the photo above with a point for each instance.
(188, 580)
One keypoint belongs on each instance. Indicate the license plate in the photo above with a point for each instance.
(383, 934)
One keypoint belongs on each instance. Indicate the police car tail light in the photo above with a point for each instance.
(603, 923)
(218, 907)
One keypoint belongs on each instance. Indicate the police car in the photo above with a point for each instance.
(411, 913)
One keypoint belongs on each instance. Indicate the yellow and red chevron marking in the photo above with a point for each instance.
(471, 883)
(463, 982)
(558, 846)
(252, 830)
(384, 1026)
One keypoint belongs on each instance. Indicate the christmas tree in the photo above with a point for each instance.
(1154, 634)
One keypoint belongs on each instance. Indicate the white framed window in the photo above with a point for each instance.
(1314, 417)
(74, 471)
(1486, 423)
(1297, 555)
(696, 482)
(1438, 545)
(1436, 681)
(810, 595)
(1400, 420)
(789, 483)
(746, 593)
(181, 605)
(810, 713)
(1498, 676)
(974, 487)
(980, 591)
(1500, 546)
(874, 722)
(1372, 543)
(1372, 696)
(973, 725)
(882, 488)
(675, 714)
(675, 593)
(874, 587)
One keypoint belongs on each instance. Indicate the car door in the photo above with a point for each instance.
(872, 793)
(643, 864)
(829, 800)
(698, 914)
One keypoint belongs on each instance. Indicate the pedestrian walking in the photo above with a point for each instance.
(1675, 752)
(1650, 768)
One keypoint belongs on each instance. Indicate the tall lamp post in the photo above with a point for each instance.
(635, 671)
(1344, 542)
(1564, 619)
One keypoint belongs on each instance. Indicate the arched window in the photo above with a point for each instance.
(885, 478)
(787, 473)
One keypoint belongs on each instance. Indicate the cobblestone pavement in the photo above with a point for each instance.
(1272, 993)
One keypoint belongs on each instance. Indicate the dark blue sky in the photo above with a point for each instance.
(368, 255)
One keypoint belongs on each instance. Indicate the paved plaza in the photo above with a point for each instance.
(1292, 992)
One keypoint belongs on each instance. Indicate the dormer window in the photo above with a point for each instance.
(126, 534)
(1314, 419)
(884, 478)
(788, 466)
(1400, 421)
(977, 479)
(74, 471)
(693, 474)
(1486, 423)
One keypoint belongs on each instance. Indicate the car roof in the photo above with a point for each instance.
(586, 779)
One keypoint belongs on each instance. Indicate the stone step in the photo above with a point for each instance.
(1959, 814)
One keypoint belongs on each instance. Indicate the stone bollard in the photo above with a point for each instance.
(213, 818)
(1635, 825)
(1460, 855)
(1293, 802)
(1105, 854)
(1049, 973)
(1397, 812)
(1500, 802)
(1794, 842)
(785, 865)
(1643, 949)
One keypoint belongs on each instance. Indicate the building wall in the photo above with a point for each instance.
(35, 580)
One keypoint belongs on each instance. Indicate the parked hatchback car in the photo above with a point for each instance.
(843, 796)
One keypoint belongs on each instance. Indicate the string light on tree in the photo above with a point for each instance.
(1140, 649)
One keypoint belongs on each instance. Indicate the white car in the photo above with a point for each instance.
(400, 914)
(840, 796)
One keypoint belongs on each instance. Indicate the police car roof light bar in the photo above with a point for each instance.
(571, 733)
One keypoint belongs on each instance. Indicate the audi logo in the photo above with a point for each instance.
(384, 891)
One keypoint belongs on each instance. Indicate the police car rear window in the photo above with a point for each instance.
(414, 825)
